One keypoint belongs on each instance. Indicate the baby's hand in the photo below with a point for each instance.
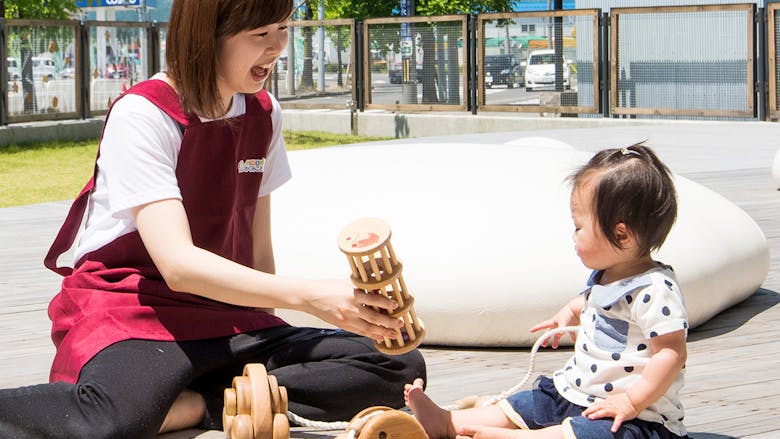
(617, 406)
(564, 317)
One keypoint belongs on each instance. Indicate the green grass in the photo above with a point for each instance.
(53, 171)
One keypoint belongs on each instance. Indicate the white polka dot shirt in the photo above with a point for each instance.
(613, 344)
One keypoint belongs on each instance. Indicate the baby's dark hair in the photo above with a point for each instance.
(634, 187)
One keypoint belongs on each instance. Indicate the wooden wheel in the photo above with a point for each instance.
(243, 395)
(281, 426)
(260, 411)
(392, 424)
(230, 410)
(276, 400)
(242, 428)
(283, 398)
(231, 407)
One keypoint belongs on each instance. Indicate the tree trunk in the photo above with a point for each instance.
(339, 48)
(453, 68)
(429, 95)
(307, 75)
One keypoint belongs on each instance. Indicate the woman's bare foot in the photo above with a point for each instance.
(435, 420)
(187, 411)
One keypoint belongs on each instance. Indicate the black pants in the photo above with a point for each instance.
(126, 390)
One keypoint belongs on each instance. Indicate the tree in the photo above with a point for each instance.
(38, 9)
(352, 9)
(447, 74)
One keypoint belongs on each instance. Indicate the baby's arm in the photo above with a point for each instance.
(669, 357)
(569, 315)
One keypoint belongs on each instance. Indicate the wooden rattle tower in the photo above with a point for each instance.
(256, 406)
(376, 270)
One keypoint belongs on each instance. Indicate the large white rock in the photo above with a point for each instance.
(484, 232)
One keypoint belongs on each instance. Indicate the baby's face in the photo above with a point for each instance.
(592, 247)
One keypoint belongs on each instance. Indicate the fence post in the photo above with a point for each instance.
(359, 64)
(154, 45)
(82, 71)
(761, 64)
(604, 61)
(4, 73)
(472, 68)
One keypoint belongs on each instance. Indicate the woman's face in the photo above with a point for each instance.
(248, 58)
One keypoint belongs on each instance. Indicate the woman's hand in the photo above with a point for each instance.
(341, 304)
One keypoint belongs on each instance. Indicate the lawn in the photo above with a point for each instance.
(43, 172)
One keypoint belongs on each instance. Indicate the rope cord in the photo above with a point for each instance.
(321, 425)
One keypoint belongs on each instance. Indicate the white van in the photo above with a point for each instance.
(540, 70)
(43, 68)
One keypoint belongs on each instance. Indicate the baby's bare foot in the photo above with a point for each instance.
(434, 419)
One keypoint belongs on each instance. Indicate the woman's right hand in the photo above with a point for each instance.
(339, 303)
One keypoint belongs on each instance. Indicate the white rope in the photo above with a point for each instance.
(320, 425)
(531, 364)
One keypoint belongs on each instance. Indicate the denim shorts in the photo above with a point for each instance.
(544, 407)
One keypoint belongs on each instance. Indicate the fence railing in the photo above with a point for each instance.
(707, 61)
(773, 56)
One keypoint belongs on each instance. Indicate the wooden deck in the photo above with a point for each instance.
(733, 375)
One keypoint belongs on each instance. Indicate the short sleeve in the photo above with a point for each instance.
(659, 309)
(277, 168)
(138, 155)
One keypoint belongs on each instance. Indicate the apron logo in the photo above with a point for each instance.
(251, 165)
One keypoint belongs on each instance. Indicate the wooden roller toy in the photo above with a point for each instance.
(376, 270)
(383, 423)
(255, 406)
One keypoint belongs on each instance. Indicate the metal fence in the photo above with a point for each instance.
(706, 61)
(773, 56)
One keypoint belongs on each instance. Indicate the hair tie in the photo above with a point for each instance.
(626, 151)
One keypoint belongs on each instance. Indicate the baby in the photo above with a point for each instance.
(625, 375)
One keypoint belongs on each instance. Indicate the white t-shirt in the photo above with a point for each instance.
(613, 345)
(137, 165)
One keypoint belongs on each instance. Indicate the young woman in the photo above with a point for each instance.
(173, 288)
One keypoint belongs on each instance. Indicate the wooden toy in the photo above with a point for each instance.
(376, 270)
(255, 406)
(383, 423)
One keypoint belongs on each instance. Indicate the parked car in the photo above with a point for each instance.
(43, 68)
(503, 69)
(13, 69)
(540, 70)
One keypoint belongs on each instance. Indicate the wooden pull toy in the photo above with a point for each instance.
(383, 423)
(255, 406)
(376, 270)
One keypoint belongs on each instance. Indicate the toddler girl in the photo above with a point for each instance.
(625, 375)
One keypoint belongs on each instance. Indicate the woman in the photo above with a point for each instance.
(173, 288)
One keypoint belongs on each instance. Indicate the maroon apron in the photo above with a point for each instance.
(116, 293)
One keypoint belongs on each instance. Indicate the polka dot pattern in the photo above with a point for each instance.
(618, 322)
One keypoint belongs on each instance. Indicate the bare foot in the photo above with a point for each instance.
(187, 411)
(435, 420)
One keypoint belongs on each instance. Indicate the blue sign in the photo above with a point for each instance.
(103, 3)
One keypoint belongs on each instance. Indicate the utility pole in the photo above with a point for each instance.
(558, 45)
(408, 56)
(321, 54)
